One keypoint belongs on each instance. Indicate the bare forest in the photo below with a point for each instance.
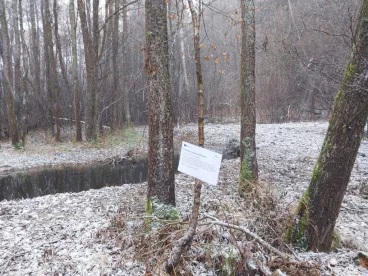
(113, 114)
(82, 63)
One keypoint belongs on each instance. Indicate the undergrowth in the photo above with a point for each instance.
(128, 136)
(222, 250)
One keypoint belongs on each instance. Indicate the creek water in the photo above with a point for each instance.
(73, 179)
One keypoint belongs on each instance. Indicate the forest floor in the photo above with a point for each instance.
(101, 232)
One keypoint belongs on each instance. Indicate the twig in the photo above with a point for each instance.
(215, 221)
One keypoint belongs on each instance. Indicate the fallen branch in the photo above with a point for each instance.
(215, 221)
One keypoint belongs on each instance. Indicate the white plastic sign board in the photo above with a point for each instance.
(200, 163)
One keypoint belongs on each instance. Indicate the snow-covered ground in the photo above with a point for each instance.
(66, 233)
(41, 150)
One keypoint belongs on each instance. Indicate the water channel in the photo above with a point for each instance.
(72, 179)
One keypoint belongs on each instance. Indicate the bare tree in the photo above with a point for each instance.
(36, 70)
(319, 207)
(76, 90)
(25, 79)
(249, 166)
(161, 153)
(124, 45)
(16, 56)
(7, 77)
(51, 74)
(184, 73)
(58, 45)
(117, 120)
(91, 42)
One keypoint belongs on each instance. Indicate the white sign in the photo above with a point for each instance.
(200, 163)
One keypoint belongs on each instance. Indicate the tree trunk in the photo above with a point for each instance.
(90, 56)
(16, 58)
(58, 46)
(95, 45)
(36, 68)
(249, 167)
(2, 115)
(319, 207)
(7, 77)
(47, 74)
(161, 154)
(184, 74)
(77, 96)
(52, 79)
(115, 65)
(24, 120)
(125, 66)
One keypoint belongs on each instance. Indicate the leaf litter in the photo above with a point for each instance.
(101, 232)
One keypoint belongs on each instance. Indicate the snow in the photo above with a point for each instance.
(68, 233)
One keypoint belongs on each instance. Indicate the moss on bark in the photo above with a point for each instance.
(297, 233)
(313, 226)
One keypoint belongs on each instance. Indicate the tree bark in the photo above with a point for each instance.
(248, 156)
(125, 69)
(35, 52)
(7, 77)
(95, 45)
(58, 46)
(16, 58)
(24, 119)
(160, 154)
(52, 79)
(320, 205)
(90, 56)
(117, 123)
(185, 74)
(47, 74)
(76, 90)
